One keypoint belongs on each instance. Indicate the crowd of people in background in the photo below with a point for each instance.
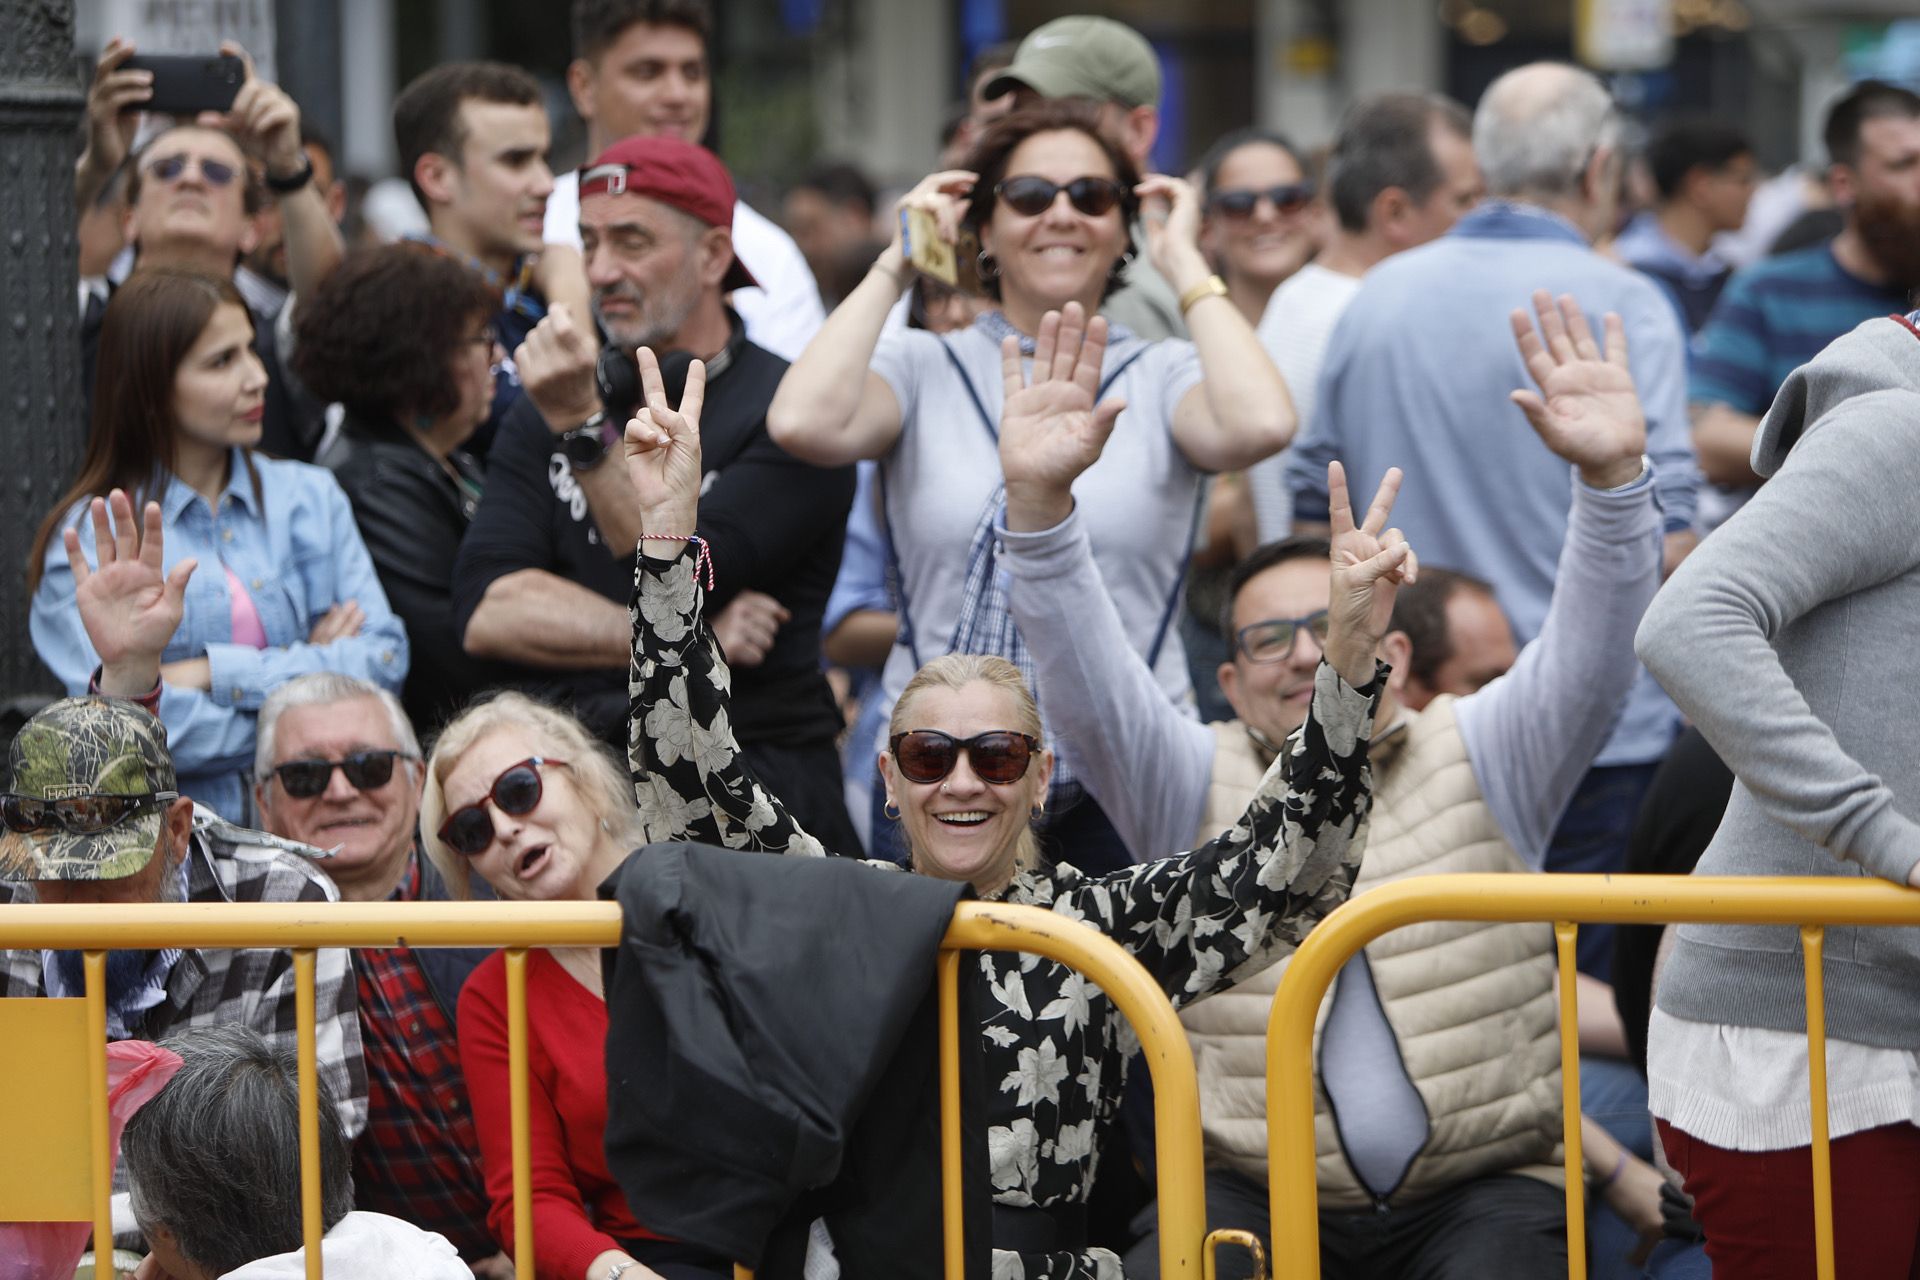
(1179, 552)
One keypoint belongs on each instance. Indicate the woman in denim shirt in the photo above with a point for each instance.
(284, 585)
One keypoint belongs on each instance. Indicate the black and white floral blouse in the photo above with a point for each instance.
(1056, 1048)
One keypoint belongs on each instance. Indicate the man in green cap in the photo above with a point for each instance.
(94, 816)
(1110, 63)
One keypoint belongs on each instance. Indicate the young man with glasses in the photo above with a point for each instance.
(1441, 1138)
(192, 203)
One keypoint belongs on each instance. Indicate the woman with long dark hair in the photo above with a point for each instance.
(284, 585)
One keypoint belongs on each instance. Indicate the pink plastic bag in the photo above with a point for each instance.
(52, 1250)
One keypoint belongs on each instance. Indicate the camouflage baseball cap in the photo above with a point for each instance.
(86, 747)
(1083, 56)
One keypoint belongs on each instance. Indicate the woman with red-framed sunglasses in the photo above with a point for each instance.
(966, 771)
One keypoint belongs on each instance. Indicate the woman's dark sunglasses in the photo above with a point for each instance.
(927, 755)
(366, 770)
(76, 815)
(218, 173)
(468, 830)
(1240, 203)
(1273, 640)
(1032, 196)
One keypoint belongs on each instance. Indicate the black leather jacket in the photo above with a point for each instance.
(412, 516)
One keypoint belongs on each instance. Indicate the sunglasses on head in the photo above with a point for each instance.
(1273, 639)
(927, 755)
(468, 830)
(366, 770)
(1291, 197)
(75, 815)
(218, 173)
(1031, 196)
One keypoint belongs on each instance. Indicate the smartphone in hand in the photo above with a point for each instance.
(186, 84)
(955, 264)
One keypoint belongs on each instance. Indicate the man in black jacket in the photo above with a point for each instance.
(547, 568)
(339, 768)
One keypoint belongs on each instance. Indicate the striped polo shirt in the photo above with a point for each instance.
(1774, 317)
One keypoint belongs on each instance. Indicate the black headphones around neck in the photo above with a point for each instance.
(617, 372)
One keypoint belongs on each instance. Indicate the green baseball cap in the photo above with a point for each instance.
(1083, 57)
(84, 748)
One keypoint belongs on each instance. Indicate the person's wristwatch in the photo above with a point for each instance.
(585, 447)
(286, 185)
(621, 1268)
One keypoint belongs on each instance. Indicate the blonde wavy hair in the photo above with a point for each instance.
(547, 731)
(955, 671)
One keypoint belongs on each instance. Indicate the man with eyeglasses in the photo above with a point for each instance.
(1440, 1059)
(339, 768)
(93, 817)
(192, 203)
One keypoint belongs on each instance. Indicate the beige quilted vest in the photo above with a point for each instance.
(1471, 1004)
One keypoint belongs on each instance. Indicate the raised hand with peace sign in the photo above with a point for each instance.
(1370, 563)
(663, 453)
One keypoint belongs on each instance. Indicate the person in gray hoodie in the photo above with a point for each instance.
(1787, 637)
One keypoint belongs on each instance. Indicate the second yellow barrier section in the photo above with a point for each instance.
(1565, 901)
(516, 927)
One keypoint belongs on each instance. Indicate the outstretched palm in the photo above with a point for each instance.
(1586, 410)
(663, 450)
(1051, 430)
(1370, 563)
(129, 606)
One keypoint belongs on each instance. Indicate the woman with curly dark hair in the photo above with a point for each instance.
(402, 337)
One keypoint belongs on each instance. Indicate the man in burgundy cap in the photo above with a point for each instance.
(546, 570)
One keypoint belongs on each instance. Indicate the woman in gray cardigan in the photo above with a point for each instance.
(1788, 638)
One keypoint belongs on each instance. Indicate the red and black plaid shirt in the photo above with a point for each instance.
(418, 1159)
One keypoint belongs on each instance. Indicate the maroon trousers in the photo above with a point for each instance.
(1756, 1207)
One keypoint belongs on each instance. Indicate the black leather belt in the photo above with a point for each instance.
(1060, 1228)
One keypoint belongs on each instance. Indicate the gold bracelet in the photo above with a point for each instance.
(1211, 287)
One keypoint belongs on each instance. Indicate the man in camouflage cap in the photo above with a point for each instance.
(94, 816)
(93, 800)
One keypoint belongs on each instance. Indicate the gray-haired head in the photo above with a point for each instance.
(1538, 128)
(324, 689)
(214, 1158)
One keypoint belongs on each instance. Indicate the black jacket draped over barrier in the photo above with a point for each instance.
(773, 1057)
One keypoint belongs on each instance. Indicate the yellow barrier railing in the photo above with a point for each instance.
(516, 927)
(1566, 901)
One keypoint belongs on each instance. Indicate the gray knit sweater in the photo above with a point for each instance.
(1789, 638)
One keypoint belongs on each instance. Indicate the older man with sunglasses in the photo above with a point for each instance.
(339, 776)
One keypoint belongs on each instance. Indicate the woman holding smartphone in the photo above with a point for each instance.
(1052, 201)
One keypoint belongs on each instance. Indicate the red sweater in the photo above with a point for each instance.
(578, 1209)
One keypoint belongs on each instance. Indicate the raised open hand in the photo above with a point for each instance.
(129, 606)
(1051, 430)
(1370, 562)
(663, 451)
(1586, 409)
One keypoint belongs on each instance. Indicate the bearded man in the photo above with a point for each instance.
(1780, 313)
(546, 569)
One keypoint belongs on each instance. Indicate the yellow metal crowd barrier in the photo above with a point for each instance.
(519, 926)
(1567, 901)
